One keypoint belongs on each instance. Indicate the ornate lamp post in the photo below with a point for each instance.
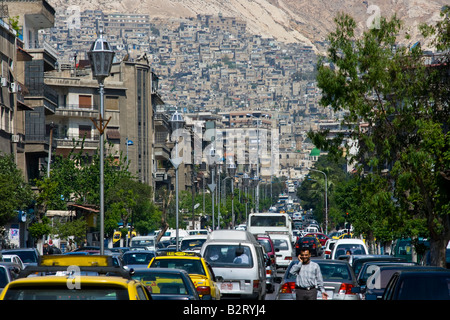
(177, 122)
(232, 172)
(101, 57)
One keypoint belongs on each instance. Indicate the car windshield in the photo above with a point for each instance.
(228, 255)
(192, 266)
(137, 258)
(85, 292)
(162, 282)
(191, 244)
(25, 256)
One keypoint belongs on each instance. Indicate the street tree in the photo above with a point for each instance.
(16, 193)
(396, 112)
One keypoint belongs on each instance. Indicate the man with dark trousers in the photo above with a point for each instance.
(309, 277)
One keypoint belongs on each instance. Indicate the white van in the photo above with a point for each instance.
(193, 243)
(237, 259)
(143, 243)
(283, 250)
(354, 246)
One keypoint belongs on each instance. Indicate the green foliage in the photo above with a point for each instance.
(39, 229)
(16, 193)
(397, 109)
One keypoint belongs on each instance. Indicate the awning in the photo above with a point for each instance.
(113, 134)
(85, 208)
(60, 213)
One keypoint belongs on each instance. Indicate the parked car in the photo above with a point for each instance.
(377, 282)
(6, 275)
(167, 283)
(328, 248)
(271, 266)
(352, 246)
(200, 272)
(403, 248)
(246, 279)
(137, 258)
(283, 250)
(193, 242)
(322, 238)
(14, 258)
(29, 256)
(338, 278)
(369, 268)
(418, 285)
(358, 260)
(107, 282)
(312, 243)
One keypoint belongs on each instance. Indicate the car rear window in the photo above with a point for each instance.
(332, 272)
(162, 283)
(225, 255)
(192, 266)
(341, 249)
(85, 292)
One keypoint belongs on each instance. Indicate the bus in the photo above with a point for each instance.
(269, 222)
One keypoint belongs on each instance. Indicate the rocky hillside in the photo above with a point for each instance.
(307, 21)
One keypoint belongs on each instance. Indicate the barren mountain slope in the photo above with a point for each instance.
(305, 21)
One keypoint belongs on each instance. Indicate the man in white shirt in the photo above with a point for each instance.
(309, 277)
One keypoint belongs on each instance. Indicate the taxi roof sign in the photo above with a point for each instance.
(179, 254)
(77, 260)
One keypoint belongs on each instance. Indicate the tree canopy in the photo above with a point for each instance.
(396, 112)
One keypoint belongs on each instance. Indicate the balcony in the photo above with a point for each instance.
(41, 94)
(77, 111)
(70, 141)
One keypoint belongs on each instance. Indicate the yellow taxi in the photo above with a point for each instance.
(198, 269)
(74, 278)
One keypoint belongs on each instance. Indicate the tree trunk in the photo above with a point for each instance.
(438, 252)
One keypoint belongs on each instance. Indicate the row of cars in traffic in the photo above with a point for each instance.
(228, 263)
(223, 264)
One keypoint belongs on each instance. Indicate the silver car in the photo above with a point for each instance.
(338, 280)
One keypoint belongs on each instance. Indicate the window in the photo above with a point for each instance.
(84, 131)
(111, 103)
(84, 101)
(227, 256)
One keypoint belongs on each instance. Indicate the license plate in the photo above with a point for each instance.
(330, 294)
(229, 286)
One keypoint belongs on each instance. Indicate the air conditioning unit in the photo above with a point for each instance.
(13, 87)
(4, 82)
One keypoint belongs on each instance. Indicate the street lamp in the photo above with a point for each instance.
(101, 57)
(326, 199)
(245, 182)
(177, 122)
(232, 172)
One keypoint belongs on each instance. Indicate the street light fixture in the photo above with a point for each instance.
(232, 172)
(177, 122)
(101, 58)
